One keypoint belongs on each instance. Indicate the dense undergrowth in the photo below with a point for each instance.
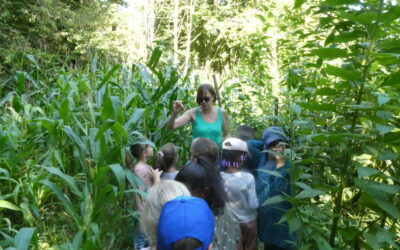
(64, 130)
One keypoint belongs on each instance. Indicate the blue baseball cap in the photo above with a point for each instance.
(185, 217)
(272, 134)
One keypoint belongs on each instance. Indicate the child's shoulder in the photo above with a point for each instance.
(246, 175)
(141, 166)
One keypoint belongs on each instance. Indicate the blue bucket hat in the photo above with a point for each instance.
(272, 134)
(185, 217)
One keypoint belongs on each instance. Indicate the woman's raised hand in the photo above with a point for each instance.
(177, 106)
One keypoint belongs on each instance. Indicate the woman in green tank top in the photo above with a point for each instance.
(208, 120)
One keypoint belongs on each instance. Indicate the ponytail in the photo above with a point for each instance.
(166, 157)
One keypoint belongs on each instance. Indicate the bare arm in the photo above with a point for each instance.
(225, 124)
(177, 122)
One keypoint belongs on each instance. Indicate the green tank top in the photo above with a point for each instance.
(213, 131)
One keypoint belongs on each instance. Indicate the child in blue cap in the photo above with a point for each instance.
(185, 223)
(271, 232)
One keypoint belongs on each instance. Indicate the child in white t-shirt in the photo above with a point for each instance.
(240, 187)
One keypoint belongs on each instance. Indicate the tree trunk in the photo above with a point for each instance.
(175, 52)
(192, 6)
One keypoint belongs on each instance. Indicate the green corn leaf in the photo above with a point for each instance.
(133, 179)
(120, 175)
(24, 237)
(64, 111)
(137, 114)
(108, 75)
(71, 134)
(68, 179)
(120, 135)
(65, 202)
(94, 143)
(77, 241)
(155, 57)
(9, 205)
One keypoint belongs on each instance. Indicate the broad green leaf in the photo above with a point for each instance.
(298, 3)
(68, 179)
(340, 2)
(365, 171)
(392, 137)
(389, 208)
(364, 18)
(23, 238)
(393, 79)
(376, 187)
(273, 173)
(302, 185)
(294, 224)
(326, 91)
(8, 205)
(329, 53)
(385, 115)
(387, 155)
(349, 233)
(348, 37)
(382, 99)
(296, 108)
(273, 200)
(318, 107)
(391, 15)
(383, 129)
(309, 193)
(345, 74)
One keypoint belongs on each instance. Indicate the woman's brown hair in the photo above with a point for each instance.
(202, 89)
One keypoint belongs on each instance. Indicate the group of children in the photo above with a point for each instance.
(211, 202)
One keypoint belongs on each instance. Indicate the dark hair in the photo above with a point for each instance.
(137, 149)
(245, 133)
(186, 244)
(206, 148)
(200, 175)
(233, 158)
(203, 88)
(166, 157)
